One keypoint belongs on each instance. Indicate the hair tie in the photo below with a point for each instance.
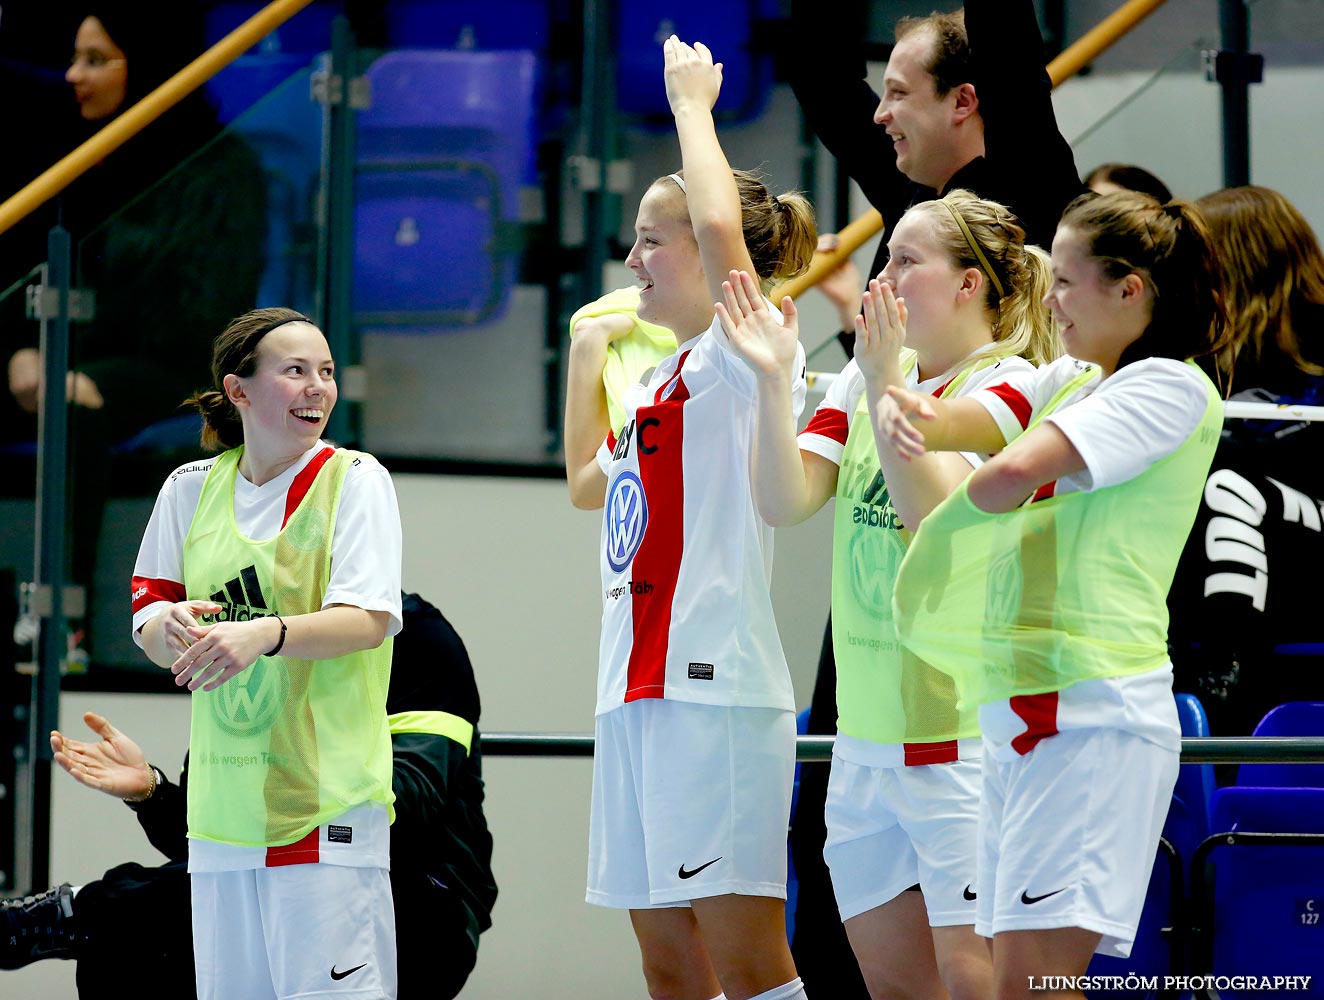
(679, 182)
(984, 265)
(1172, 210)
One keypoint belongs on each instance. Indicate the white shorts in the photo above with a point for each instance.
(889, 828)
(689, 801)
(1067, 834)
(295, 931)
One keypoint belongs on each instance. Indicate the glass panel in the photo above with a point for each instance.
(18, 454)
(1164, 119)
(453, 334)
(228, 228)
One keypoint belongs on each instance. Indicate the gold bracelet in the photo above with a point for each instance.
(150, 788)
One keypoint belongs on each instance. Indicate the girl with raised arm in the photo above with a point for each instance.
(961, 290)
(695, 734)
(1039, 585)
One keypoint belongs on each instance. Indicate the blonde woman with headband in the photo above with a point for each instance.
(695, 729)
(953, 310)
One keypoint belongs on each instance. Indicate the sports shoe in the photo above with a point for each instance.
(35, 927)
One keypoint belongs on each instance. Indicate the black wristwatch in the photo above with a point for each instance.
(158, 779)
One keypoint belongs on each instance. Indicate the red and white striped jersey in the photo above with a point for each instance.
(686, 559)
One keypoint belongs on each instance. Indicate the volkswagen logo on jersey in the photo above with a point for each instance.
(871, 556)
(253, 699)
(627, 517)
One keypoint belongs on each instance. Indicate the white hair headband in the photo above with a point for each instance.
(679, 183)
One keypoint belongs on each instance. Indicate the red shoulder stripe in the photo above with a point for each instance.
(1015, 400)
(303, 482)
(829, 423)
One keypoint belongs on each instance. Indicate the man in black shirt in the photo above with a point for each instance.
(966, 104)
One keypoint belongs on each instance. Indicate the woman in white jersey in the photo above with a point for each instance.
(1039, 585)
(695, 736)
(961, 290)
(268, 582)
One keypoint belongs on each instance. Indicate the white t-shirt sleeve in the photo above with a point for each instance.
(996, 378)
(158, 572)
(1142, 414)
(366, 547)
(828, 428)
(1010, 400)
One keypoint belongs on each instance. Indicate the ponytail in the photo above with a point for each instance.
(779, 230)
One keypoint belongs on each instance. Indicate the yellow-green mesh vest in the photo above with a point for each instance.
(885, 693)
(1063, 590)
(287, 744)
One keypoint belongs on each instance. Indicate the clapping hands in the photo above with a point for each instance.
(880, 331)
(766, 342)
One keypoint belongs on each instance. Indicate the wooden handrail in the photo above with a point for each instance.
(65, 171)
(1070, 62)
(1099, 39)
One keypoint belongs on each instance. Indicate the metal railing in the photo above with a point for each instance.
(1194, 750)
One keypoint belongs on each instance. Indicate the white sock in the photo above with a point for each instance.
(794, 990)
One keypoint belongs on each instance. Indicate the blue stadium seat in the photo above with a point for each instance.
(1261, 883)
(469, 24)
(180, 433)
(249, 79)
(1161, 939)
(1295, 718)
(266, 99)
(482, 26)
(728, 28)
(1188, 819)
(439, 160)
(307, 32)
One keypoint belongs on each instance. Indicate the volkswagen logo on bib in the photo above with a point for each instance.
(627, 517)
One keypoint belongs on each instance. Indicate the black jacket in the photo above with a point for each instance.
(1027, 165)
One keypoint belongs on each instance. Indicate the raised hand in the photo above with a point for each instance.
(879, 333)
(114, 764)
(691, 75)
(220, 651)
(769, 346)
(898, 411)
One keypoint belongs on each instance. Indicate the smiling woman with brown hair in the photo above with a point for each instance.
(268, 583)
